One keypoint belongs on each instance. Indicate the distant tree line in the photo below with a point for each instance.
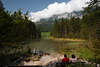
(87, 27)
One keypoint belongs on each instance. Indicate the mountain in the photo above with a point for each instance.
(46, 24)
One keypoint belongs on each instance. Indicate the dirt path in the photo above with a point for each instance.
(54, 57)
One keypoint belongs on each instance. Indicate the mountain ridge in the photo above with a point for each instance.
(46, 24)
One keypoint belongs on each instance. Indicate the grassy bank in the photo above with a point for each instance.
(46, 35)
(79, 49)
(65, 39)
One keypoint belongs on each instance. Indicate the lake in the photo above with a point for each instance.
(50, 45)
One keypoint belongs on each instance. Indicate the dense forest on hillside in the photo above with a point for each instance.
(87, 27)
(15, 30)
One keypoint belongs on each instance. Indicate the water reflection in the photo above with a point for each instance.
(50, 46)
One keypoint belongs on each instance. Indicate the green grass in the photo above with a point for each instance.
(80, 65)
(45, 35)
(80, 50)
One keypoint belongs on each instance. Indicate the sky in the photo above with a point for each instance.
(40, 9)
(30, 5)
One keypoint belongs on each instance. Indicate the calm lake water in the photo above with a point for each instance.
(47, 45)
(50, 46)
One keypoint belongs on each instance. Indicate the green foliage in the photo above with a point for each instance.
(66, 28)
(15, 30)
(16, 27)
(79, 64)
(88, 28)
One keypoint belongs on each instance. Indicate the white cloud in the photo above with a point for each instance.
(58, 8)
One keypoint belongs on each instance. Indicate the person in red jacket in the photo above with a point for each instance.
(65, 59)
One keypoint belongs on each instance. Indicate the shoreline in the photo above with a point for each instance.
(66, 39)
(44, 60)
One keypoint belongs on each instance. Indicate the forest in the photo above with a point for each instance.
(15, 31)
(86, 27)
